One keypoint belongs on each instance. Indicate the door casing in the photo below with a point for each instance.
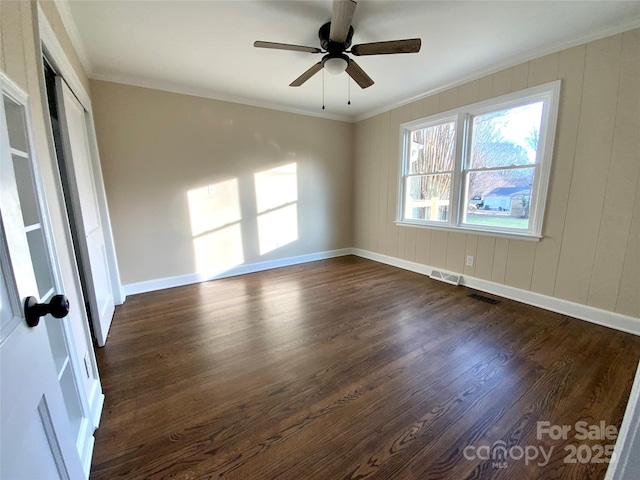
(52, 49)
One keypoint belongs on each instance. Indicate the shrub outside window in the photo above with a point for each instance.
(483, 167)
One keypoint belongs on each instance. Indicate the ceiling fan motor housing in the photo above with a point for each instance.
(333, 48)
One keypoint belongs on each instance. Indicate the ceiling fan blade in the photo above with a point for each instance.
(341, 19)
(306, 75)
(286, 46)
(359, 75)
(411, 45)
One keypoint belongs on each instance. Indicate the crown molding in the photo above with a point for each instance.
(214, 95)
(74, 34)
(55, 53)
(503, 65)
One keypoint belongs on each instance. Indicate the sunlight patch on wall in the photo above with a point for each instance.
(276, 201)
(220, 250)
(277, 228)
(276, 187)
(215, 226)
(214, 206)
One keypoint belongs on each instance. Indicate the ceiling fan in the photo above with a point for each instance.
(335, 40)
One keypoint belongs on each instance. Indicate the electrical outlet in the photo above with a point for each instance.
(469, 260)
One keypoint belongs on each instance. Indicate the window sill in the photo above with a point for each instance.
(474, 231)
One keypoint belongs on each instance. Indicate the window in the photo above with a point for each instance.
(484, 167)
(430, 170)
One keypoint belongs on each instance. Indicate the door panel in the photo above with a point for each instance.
(37, 440)
(82, 170)
(97, 251)
(85, 212)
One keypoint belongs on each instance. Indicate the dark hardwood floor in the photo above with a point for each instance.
(346, 369)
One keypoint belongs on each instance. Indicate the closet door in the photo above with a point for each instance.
(85, 210)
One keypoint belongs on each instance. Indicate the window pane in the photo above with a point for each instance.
(432, 148)
(427, 198)
(40, 259)
(499, 198)
(506, 137)
(16, 125)
(26, 190)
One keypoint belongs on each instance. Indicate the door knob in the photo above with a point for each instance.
(58, 307)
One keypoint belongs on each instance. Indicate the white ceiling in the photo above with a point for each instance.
(206, 47)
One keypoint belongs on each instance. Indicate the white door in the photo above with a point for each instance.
(37, 440)
(85, 210)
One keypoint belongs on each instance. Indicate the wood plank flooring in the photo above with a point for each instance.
(350, 369)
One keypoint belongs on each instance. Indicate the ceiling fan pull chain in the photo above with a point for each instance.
(323, 88)
(349, 90)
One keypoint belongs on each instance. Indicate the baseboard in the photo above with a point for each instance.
(624, 461)
(605, 318)
(84, 444)
(181, 280)
(89, 425)
(97, 410)
(120, 296)
(583, 312)
(86, 461)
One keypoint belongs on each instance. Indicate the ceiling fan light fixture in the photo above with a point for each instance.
(335, 65)
(335, 39)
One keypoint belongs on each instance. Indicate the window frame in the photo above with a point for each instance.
(549, 94)
(434, 120)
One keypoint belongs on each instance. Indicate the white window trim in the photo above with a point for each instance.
(549, 93)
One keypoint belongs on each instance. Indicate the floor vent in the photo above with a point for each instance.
(451, 278)
(482, 298)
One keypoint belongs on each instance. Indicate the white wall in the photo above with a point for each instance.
(160, 153)
(590, 253)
